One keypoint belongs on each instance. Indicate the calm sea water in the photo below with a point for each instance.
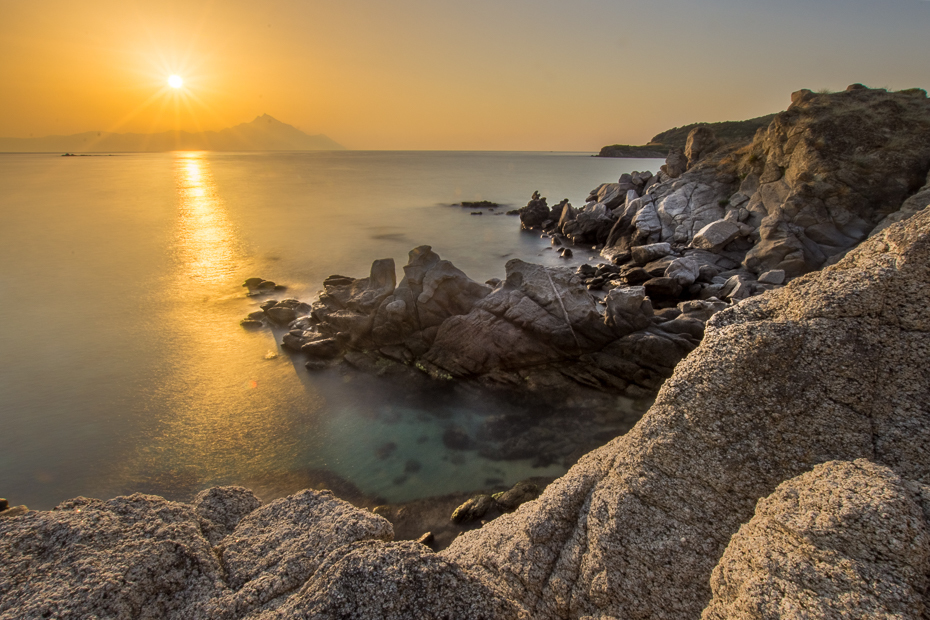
(124, 367)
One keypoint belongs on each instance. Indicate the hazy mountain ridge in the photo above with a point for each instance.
(265, 133)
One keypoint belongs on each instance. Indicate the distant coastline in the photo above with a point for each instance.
(676, 138)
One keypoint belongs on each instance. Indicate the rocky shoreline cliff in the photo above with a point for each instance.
(783, 470)
(720, 222)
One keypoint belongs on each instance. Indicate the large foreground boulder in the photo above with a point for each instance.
(309, 555)
(831, 367)
(131, 557)
(846, 540)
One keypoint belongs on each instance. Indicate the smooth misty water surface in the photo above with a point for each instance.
(124, 367)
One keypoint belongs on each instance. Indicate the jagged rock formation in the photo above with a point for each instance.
(831, 367)
(843, 540)
(540, 328)
(720, 222)
(810, 186)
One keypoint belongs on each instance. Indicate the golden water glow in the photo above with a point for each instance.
(227, 402)
(206, 239)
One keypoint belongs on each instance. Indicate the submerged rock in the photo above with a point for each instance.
(474, 509)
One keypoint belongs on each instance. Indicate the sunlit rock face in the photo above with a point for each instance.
(813, 184)
(845, 540)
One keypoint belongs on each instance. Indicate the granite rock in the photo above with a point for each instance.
(845, 540)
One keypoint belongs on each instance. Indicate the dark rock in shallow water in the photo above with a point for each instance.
(281, 315)
(456, 438)
(385, 450)
(474, 509)
(326, 348)
(528, 332)
(521, 493)
(535, 212)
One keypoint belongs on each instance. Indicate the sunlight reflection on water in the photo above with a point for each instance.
(206, 239)
(226, 417)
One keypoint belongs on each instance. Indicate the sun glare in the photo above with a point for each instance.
(175, 81)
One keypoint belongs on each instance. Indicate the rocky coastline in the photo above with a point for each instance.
(773, 294)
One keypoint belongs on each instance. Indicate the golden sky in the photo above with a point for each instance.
(436, 74)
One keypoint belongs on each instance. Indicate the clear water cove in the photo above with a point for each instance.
(123, 365)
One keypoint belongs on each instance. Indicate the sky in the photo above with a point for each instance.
(548, 75)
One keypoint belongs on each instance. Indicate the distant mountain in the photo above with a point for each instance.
(263, 134)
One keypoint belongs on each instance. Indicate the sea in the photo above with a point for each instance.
(123, 367)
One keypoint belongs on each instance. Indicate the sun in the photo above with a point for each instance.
(175, 81)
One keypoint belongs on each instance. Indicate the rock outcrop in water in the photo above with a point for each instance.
(721, 222)
(538, 329)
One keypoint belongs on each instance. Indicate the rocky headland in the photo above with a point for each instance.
(782, 472)
(721, 221)
(676, 138)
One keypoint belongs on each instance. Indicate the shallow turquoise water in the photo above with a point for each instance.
(123, 365)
